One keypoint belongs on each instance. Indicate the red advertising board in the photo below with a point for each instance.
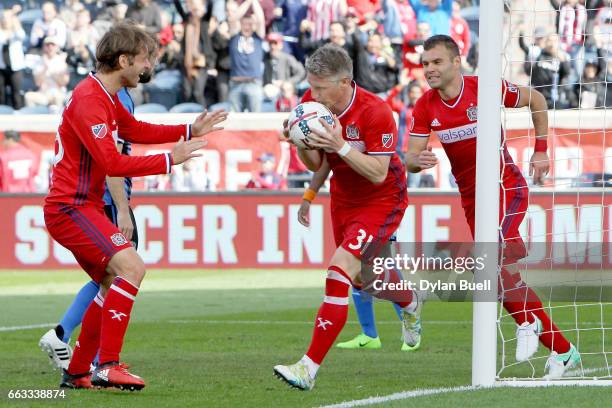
(240, 230)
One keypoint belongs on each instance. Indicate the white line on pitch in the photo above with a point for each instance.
(30, 326)
(289, 322)
(399, 396)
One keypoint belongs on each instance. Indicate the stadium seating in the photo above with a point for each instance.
(187, 107)
(6, 110)
(33, 110)
(150, 108)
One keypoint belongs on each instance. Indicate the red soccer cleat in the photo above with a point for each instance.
(75, 381)
(116, 375)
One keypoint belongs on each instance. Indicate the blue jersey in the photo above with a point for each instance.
(128, 103)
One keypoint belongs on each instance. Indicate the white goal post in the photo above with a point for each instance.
(486, 314)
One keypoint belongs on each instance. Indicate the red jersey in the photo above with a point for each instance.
(85, 145)
(454, 122)
(18, 167)
(369, 127)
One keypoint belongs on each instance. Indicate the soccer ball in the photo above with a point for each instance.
(304, 118)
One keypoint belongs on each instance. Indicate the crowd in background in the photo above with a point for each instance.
(248, 55)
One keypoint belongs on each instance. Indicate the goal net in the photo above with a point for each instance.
(566, 54)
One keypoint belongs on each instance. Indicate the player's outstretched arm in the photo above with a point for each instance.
(539, 164)
(419, 156)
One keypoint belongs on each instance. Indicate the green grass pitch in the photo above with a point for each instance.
(211, 338)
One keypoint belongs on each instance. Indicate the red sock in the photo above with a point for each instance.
(89, 339)
(522, 303)
(332, 314)
(115, 318)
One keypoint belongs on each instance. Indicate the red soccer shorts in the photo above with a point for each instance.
(88, 234)
(515, 202)
(364, 228)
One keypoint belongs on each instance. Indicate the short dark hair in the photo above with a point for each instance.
(443, 40)
(12, 135)
(124, 38)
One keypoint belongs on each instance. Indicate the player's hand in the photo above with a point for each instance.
(331, 140)
(184, 150)
(539, 166)
(285, 136)
(427, 159)
(124, 223)
(207, 122)
(304, 213)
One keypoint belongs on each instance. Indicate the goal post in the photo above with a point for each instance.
(484, 332)
(588, 324)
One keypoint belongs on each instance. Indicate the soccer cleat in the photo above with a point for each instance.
(528, 339)
(295, 375)
(361, 341)
(558, 364)
(411, 323)
(116, 375)
(59, 352)
(75, 381)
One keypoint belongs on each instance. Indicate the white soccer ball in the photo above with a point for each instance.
(305, 117)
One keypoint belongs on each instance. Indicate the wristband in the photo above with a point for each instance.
(541, 145)
(344, 150)
(309, 195)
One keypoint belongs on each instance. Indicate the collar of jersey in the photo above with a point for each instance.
(91, 74)
(458, 97)
(352, 100)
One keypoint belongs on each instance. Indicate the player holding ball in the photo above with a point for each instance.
(368, 197)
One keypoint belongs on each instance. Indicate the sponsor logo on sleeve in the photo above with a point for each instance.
(387, 140)
(99, 131)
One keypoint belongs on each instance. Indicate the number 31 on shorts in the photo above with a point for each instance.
(360, 239)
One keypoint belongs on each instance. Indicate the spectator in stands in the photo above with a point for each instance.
(168, 71)
(267, 178)
(460, 31)
(280, 67)
(287, 100)
(198, 52)
(190, 178)
(50, 25)
(604, 91)
(603, 28)
(320, 15)
(80, 47)
(51, 76)
(413, 50)
(532, 51)
(436, 13)
(290, 14)
(221, 71)
(583, 94)
(381, 67)
(113, 13)
(246, 56)
(18, 165)
(147, 13)
(12, 59)
(549, 72)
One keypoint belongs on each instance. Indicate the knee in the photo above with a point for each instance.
(129, 267)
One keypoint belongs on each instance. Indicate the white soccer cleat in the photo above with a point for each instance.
(528, 339)
(411, 323)
(558, 364)
(295, 375)
(59, 352)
